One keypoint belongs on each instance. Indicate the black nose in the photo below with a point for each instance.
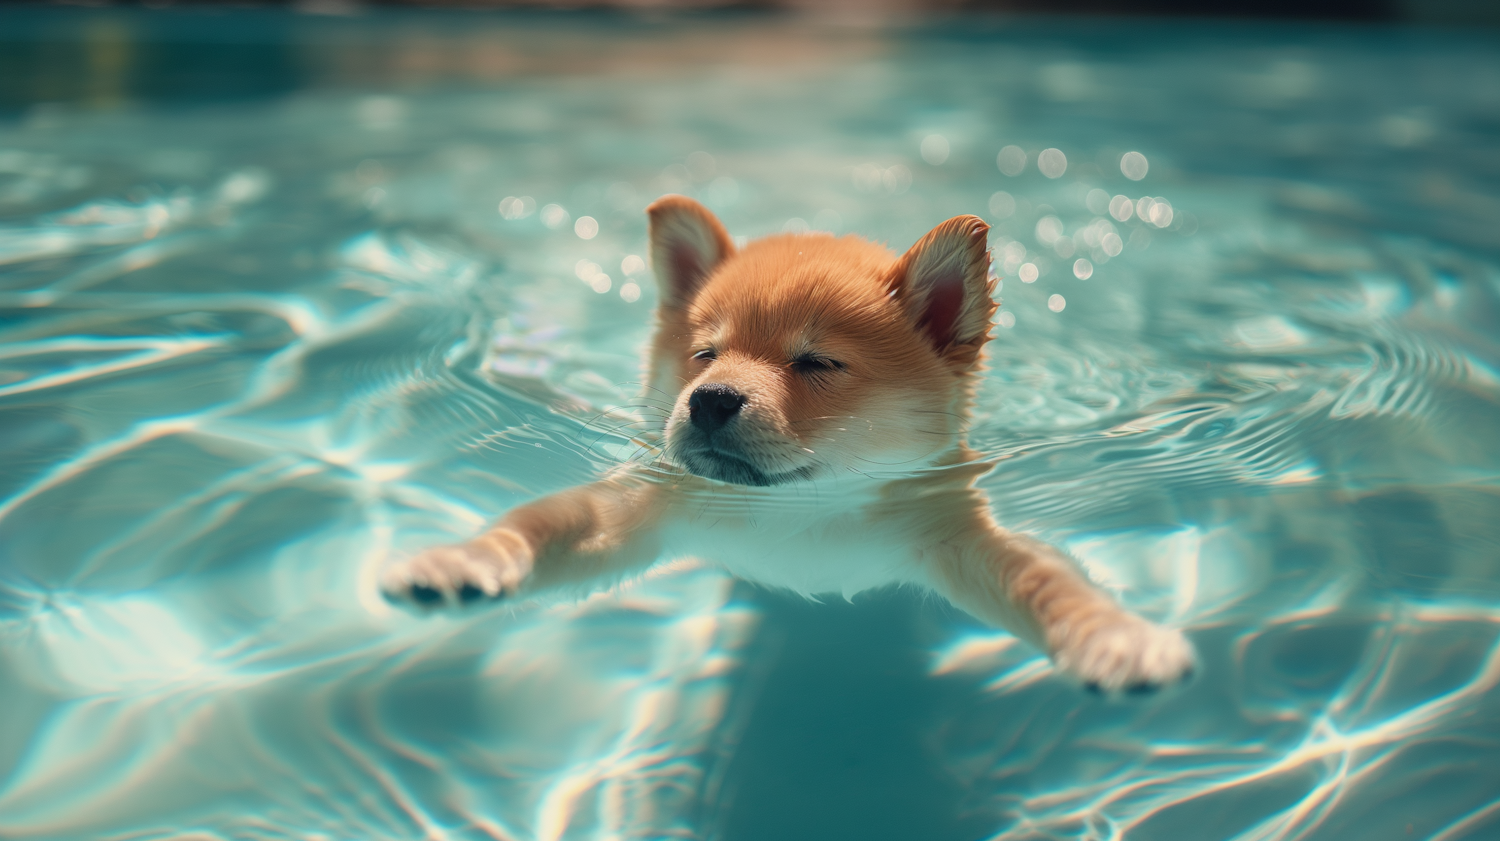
(711, 406)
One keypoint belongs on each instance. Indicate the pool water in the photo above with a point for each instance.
(284, 298)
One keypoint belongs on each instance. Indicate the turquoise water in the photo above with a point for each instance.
(264, 328)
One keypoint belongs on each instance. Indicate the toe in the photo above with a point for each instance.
(425, 595)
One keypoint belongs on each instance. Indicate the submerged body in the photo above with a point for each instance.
(800, 369)
(852, 535)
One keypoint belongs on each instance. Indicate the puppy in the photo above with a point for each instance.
(820, 391)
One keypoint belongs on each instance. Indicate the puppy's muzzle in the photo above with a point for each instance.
(712, 405)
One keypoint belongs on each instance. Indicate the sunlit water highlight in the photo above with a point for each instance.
(251, 352)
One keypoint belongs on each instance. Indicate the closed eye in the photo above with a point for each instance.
(708, 354)
(812, 364)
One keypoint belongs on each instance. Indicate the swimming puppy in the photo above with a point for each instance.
(820, 391)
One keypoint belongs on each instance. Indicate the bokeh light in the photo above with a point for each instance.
(1133, 165)
(1052, 163)
(1011, 160)
(1002, 205)
(934, 149)
(554, 216)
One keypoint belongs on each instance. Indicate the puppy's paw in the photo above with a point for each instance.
(492, 566)
(1127, 654)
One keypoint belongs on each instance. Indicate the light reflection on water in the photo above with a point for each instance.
(251, 352)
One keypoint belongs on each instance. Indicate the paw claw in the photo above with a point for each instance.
(1127, 655)
(459, 575)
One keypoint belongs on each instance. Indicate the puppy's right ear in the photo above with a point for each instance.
(687, 244)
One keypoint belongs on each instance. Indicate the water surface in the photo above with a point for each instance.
(267, 325)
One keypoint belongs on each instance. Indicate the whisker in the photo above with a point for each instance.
(650, 387)
(888, 463)
(639, 451)
(664, 410)
(646, 401)
(602, 435)
(827, 417)
(595, 432)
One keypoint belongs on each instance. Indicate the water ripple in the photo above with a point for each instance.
(243, 372)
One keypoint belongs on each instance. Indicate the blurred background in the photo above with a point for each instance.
(96, 58)
(1455, 11)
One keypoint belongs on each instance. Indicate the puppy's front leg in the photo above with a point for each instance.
(1035, 591)
(581, 538)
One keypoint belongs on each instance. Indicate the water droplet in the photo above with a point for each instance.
(630, 293)
(1161, 212)
(554, 217)
(1082, 269)
(1049, 229)
(1052, 162)
(1056, 303)
(935, 149)
(1011, 160)
(1028, 273)
(897, 179)
(632, 264)
(1006, 319)
(1133, 165)
(1002, 205)
(587, 227)
(517, 207)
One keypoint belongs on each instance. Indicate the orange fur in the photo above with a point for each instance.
(813, 362)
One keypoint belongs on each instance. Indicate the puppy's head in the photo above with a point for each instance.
(807, 356)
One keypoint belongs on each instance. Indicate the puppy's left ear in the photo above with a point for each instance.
(944, 283)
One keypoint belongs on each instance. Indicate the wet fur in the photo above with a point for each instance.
(846, 467)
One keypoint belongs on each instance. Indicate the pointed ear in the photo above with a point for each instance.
(944, 283)
(687, 244)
